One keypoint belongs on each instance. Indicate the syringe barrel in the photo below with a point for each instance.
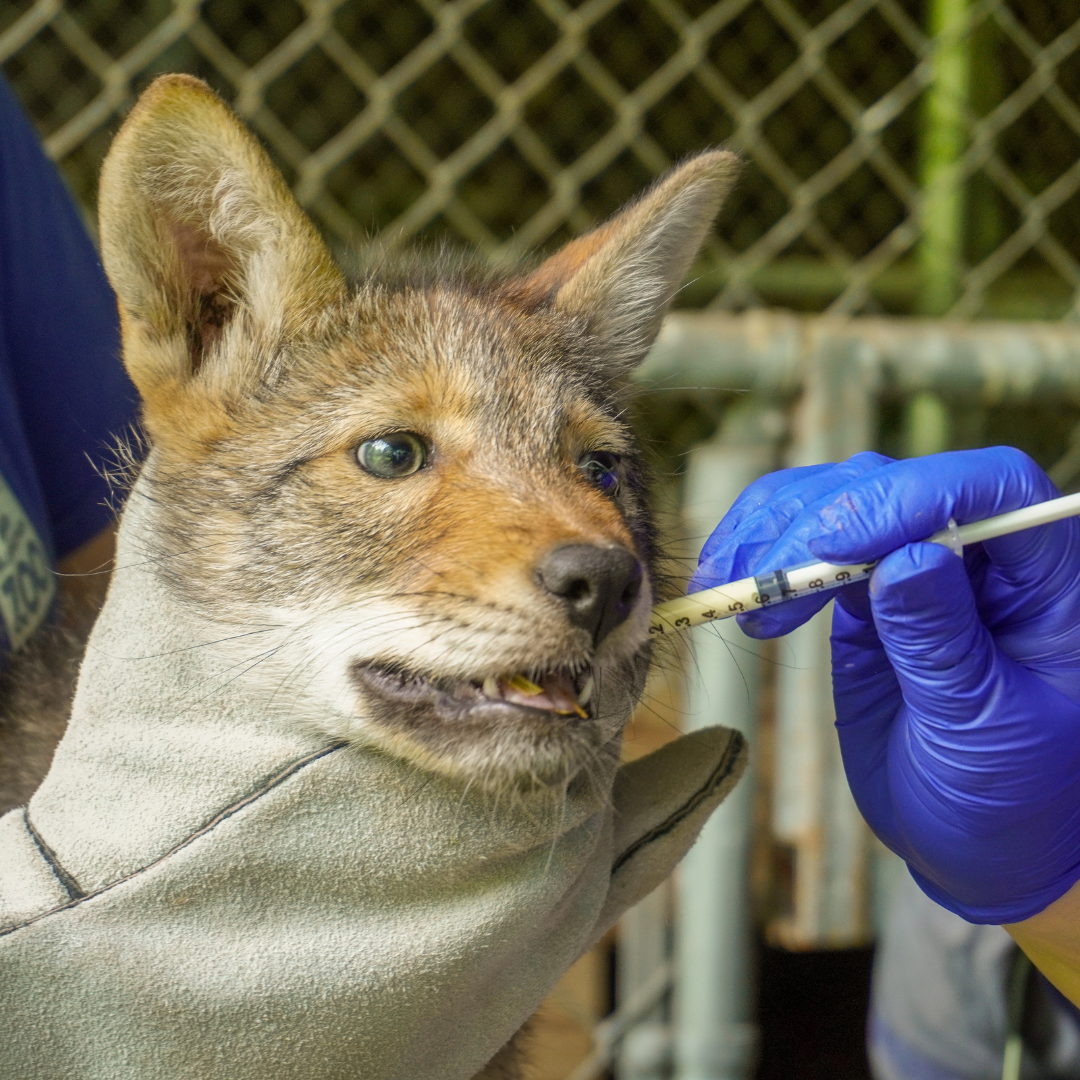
(815, 577)
(753, 593)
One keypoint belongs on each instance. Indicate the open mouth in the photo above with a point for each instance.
(557, 692)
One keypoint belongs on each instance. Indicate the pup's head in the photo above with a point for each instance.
(425, 482)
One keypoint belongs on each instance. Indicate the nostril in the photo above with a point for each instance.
(598, 585)
(578, 589)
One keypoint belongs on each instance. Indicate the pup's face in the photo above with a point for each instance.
(425, 484)
(438, 502)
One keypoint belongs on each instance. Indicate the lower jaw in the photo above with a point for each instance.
(466, 701)
(494, 743)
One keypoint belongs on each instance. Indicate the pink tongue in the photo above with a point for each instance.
(558, 694)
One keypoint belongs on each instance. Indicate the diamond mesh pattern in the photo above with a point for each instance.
(511, 124)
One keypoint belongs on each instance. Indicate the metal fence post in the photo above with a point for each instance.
(944, 136)
(813, 809)
(715, 1037)
(645, 1053)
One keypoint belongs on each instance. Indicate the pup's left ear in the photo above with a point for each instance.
(213, 263)
(621, 277)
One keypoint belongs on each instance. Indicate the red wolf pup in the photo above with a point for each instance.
(340, 793)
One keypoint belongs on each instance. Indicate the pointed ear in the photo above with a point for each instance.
(621, 277)
(213, 263)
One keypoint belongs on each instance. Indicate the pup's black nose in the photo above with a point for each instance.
(598, 584)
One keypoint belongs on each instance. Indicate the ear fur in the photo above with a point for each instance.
(212, 261)
(621, 277)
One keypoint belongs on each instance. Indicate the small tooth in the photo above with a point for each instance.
(576, 710)
(491, 687)
(586, 692)
(525, 686)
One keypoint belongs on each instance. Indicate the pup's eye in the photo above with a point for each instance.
(392, 456)
(603, 470)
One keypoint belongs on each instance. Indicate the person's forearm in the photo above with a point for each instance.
(1051, 940)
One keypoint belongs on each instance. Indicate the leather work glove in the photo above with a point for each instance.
(956, 681)
(204, 886)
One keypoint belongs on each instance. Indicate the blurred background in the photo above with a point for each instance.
(898, 268)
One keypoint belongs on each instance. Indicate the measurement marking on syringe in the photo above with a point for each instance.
(753, 593)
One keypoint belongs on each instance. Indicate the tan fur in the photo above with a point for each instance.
(261, 373)
(195, 223)
(36, 689)
(509, 1062)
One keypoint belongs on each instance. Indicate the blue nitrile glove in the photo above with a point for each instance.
(957, 683)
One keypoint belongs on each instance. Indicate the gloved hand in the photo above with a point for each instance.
(957, 682)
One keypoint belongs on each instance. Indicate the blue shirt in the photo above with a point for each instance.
(63, 392)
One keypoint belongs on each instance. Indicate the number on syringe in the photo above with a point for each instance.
(684, 621)
(737, 606)
(817, 583)
(843, 575)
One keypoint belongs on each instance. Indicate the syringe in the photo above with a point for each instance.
(749, 594)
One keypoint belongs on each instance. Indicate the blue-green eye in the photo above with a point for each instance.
(392, 456)
(603, 470)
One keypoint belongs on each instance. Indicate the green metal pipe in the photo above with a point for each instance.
(944, 136)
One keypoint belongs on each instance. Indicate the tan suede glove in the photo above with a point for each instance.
(203, 889)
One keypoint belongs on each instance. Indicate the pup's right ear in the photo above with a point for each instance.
(214, 264)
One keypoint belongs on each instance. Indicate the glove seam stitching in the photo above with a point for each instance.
(265, 786)
(724, 768)
(67, 881)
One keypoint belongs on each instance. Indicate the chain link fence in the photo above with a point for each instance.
(903, 155)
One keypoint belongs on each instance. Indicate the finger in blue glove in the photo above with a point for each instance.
(745, 541)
